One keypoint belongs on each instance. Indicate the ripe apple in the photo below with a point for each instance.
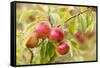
(42, 29)
(32, 41)
(80, 37)
(56, 34)
(63, 48)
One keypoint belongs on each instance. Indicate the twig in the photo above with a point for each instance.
(76, 15)
(31, 56)
(49, 18)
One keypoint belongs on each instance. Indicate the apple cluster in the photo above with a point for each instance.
(81, 37)
(55, 34)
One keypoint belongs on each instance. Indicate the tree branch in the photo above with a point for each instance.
(31, 56)
(76, 15)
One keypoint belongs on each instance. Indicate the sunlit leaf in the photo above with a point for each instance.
(90, 22)
(52, 59)
(47, 52)
(55, 19)
(30, 26)
(74, 43)
(73, 26)
(26, 15)
(83, 23)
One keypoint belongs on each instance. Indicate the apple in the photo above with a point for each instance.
(90, 34)
(56, 34)
(32, 40)
(80, 37)
(63, 48)
(42, 29)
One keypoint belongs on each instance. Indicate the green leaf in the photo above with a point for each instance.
(55, 19)
(74, 43)
(74, 49)
(47, 51)
(90, 26)
(52, 59)
(64, 16)
(90, 22)
(83, 23)
(73, 26)
(31, 25)
(25, 15)
(43, 58)
(51, 48)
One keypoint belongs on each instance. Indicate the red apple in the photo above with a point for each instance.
(63, 48)
(42, 28)
(90, 34)
(56, 34)
(80, 37)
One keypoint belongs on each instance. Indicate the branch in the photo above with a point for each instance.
(31, 56)
(76, 15)
(49, 18)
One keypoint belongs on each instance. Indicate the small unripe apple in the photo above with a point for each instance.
(42, 29)
(63, 48)
(80, 37)
(56, 34)
(32, 41)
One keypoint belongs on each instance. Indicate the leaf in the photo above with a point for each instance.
(90, 26)
(47, 51)
(83, 23)
(73, 26)
(74, 43)
(64, 16)
(52, 59)
(25, 15)
(74, 49)
(43, 53)
(90, 22)
(55, 19)
(51, 48)
(30, 26)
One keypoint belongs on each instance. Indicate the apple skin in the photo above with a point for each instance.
(56, 34)
(63, 48)
(42, 29)
(32, 41)
(80, 37)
